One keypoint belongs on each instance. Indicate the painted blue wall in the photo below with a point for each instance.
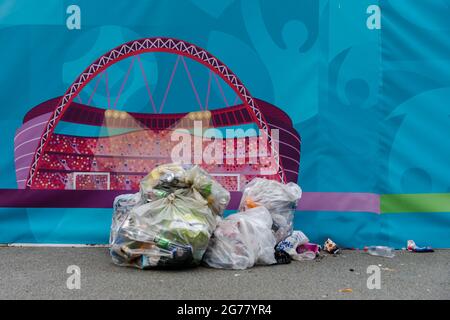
(372, 105)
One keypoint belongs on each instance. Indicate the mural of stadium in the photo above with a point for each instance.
(46, 159)
(92, 102)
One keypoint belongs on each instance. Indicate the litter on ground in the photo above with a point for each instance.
(177, 220)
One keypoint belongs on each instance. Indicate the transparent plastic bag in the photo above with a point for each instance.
(122, 206)
(217, 196)
(169, 223)
(242, 240)
(170, 177)
(280, 199)
(165, 178)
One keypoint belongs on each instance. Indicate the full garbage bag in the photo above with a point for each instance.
(242, 240)
(170, 221)
(167, 178)
(280, 199)
(216, 195)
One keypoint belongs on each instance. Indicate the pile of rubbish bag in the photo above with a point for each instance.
(250, 236)
(176, 220)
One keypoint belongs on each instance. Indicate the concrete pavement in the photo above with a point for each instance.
(40, 273)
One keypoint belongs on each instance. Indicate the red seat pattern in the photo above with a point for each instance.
(129, 157)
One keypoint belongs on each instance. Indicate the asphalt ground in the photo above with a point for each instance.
(41, 273)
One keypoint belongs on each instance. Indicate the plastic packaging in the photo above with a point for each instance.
(308, 247)
(331, 247)
(381, 251)
(297, 246)
(242, 240)
(304, 256)
(280, 199)
(290, 244)
(412, 247)
(170, 222)
(307, 251)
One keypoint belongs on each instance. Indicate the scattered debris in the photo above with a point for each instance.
(331, 247)
(412, 247)
(388, 269)
(297, 247)
(380, 251)
(291, 243)
(307, 251)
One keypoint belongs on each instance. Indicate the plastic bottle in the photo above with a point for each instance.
(380, 251)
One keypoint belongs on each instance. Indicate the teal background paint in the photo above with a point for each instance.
(372, 106)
